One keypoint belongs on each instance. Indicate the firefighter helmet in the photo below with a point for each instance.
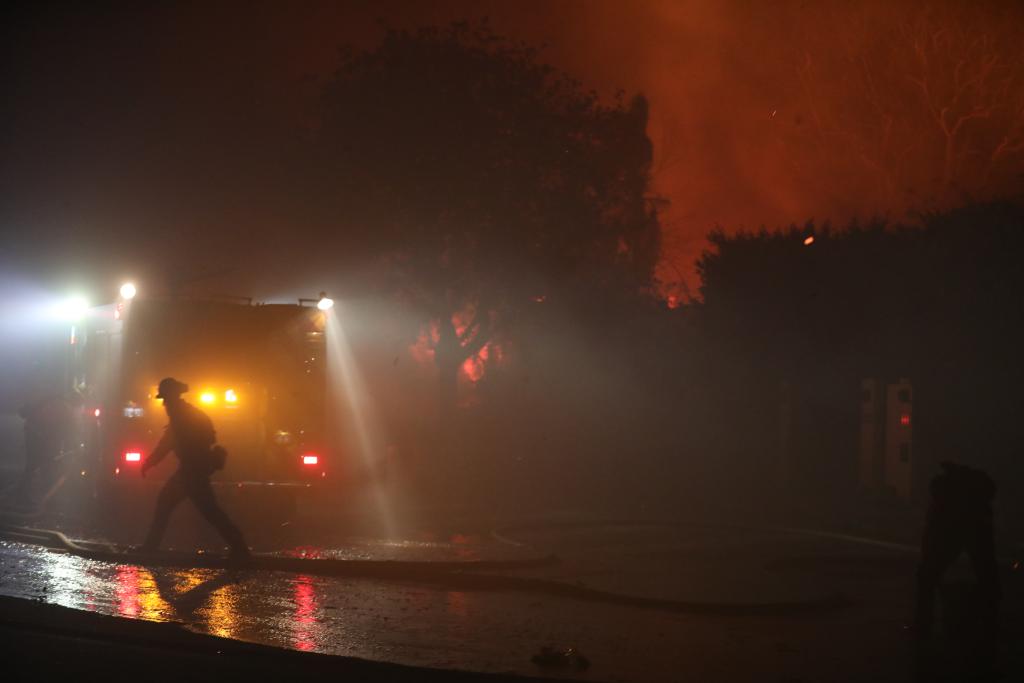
(171, 388)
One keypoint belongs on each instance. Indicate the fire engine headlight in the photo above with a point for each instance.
(74, 308)
(207, 397)
(128, 291)
(230, 396)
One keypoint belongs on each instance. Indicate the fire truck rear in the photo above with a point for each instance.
(258, 371)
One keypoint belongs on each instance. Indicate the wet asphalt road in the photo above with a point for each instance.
(500, 630)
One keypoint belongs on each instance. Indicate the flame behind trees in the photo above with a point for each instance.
(480, 179)
(919, 108)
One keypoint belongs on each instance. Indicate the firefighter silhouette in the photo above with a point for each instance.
(191, 436)
(959, 520)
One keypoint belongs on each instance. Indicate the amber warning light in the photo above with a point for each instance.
(132, 456)
(310, 459)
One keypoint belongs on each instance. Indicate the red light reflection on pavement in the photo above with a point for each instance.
(138, 595)
(304, 623)
(127, 590)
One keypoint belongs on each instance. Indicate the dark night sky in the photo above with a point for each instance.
(136, 137)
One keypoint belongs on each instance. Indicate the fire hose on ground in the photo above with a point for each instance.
(459, 575)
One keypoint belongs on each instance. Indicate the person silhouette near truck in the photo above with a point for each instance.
(190, 434)
(960, 521)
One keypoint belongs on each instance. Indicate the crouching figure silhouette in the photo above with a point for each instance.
(960, 521)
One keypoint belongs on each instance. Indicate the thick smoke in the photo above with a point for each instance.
(131, 128)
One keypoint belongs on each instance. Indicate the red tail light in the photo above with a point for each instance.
(132, 456)
(310, 459)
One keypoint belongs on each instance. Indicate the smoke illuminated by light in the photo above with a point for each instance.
(733, 144)
(348, 390)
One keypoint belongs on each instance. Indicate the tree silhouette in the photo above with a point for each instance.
(482, 180)
(918, 106)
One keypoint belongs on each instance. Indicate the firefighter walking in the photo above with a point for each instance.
(190, 434)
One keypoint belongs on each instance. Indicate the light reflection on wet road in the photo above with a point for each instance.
(307, 613)
(306, 618)
(437, 627)
(387, 621)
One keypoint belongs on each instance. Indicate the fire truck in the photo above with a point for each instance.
(258, 371)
